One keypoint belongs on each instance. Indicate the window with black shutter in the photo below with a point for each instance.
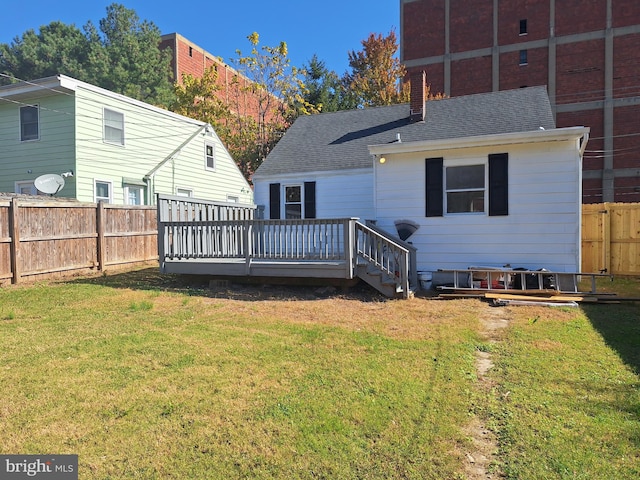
(309, 199)
(434, 189)
(274, 201)
(499, 184)
(467, 188)
(299, 200)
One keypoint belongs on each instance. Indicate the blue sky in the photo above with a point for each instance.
(329, 28)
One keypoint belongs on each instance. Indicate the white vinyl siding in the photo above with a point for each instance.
(542, 229)
(339, 194)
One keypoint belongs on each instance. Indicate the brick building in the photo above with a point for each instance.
(587, 53)
(189, 58)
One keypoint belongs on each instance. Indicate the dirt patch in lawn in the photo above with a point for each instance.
(479, 462)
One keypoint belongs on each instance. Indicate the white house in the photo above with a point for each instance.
(479, 180)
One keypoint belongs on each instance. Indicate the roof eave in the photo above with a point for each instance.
(534, 136)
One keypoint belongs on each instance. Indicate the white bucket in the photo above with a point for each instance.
(425, 280)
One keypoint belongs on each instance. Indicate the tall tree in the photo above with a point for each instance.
(266, 104)
(123, 55)
(324, 88)
(376, 76)
(56, 48)
(197, 97)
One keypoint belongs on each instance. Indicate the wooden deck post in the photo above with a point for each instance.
(247, 234)
(350, 246)
(14, 234)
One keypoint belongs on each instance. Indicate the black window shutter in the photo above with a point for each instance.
(309, 199)
(434, 188)
(499, 184)
(274, 201)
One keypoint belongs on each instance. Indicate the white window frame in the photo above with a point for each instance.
(207, 146)
(485, 189)
(184, 192)
(111, 125)
(285, 202)
(109, 198)
(26, 183)
(37, 137)
(128, 188)
(233, 199)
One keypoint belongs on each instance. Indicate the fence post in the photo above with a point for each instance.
(606, 237)
(14, 234)
(100, 246)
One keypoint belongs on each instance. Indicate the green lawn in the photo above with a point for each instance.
(146, 377)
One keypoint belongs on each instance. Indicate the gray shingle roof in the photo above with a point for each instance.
(338, 141)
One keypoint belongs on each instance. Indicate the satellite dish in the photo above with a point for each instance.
(49, 183)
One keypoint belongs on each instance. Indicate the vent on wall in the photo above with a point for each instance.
(406, 228)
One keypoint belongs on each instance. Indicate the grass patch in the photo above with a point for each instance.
(147, 376)
(567, 405)
(143, 384)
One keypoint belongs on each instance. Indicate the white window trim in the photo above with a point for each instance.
(23, 183)
(95, 190)
(104, 126)
(129, 186)
(284, 199)
(37, 107)
(190, 190)
(465, 163)
(206, 163)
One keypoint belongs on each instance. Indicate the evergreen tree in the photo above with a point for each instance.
(123, 56)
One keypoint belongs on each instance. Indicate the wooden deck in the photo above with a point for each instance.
(205, 238)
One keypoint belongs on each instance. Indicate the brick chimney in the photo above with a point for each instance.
(418, 86)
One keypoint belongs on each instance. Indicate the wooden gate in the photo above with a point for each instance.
(611, 238)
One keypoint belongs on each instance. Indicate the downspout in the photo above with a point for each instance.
(583, 145)
(151, 174)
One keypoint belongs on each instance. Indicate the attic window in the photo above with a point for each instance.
(523, 27)
(209, 154)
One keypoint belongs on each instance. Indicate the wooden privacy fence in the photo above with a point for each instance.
(611, 238)
(44, 238)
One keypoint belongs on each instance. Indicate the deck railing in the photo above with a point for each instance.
(194, 230)
(308, 239)
(393, 258)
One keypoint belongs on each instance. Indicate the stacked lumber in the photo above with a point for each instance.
(536, 297)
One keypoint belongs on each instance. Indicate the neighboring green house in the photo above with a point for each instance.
(109, 147)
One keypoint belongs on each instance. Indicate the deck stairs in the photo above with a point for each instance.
(385, 262)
